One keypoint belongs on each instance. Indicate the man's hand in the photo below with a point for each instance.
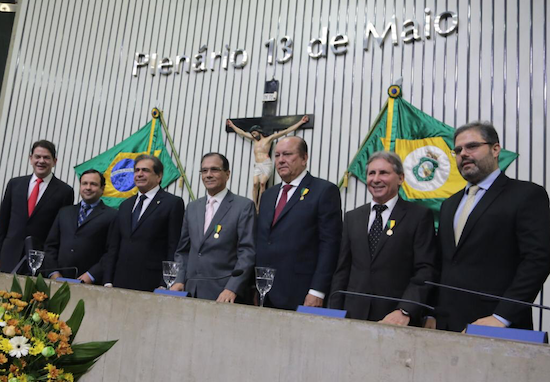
(55, 275)
(311, 300)
(430, 323)
(396, 318)
(227, 296)
(177, 287)
(85, 278)
(489, 321)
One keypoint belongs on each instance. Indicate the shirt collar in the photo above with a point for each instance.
(390, 203)
(45, 180)
(487, 182)
(219, 196)
(93, 205)
(151, 193)
(296, 182)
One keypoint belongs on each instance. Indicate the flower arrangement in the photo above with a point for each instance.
(35, 345)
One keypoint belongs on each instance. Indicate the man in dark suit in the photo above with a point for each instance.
(299, 230)
(30, 206)
(217, 238)
(384, 245)
(79, 235)
(145, 232)
(493, 237)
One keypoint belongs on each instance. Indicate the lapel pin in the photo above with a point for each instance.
(218, 230)
(304, 193)
(391, 224)
(158, 201)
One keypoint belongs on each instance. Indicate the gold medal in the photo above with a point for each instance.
(389, 233)
(391, 224)
(216, 235)
(218, 230)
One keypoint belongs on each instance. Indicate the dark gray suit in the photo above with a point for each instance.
(202, 255)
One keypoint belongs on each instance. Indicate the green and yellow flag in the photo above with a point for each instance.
(117, 163)
(424, 144)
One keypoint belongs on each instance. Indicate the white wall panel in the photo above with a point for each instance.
(69, 78)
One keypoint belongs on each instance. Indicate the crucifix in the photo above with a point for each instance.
(262, 132)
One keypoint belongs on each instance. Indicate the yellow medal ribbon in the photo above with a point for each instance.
(304, 193)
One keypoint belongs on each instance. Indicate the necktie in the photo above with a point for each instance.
(282, 202)
(376, 229)
(137, 211)
(472, 191)
(34, 196)
(83, 213)
(209, 215)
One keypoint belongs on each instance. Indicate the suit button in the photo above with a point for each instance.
(200, 254)
(72, 250)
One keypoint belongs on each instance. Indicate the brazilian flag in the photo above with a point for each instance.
(117, 163)
(424, 144)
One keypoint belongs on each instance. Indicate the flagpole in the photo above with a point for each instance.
(180, 166)
(371, 130)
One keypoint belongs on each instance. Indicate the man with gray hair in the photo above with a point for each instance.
(493, 238)
(385, 244)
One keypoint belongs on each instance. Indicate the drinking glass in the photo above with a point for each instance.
(170, 271)
(35, 260)
(264, 281)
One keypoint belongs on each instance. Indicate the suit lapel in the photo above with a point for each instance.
(487, 199)
(364, 238)
(398, 214)
(295, 197)
(155, 203)
(218, 216)
(199, 217)
(268, 201)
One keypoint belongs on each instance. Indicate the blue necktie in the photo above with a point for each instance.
(84, 208)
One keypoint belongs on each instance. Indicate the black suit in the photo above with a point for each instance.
(409, 252)
(69, 245)
(15, 223)
(135, 257)
(503, 250)
(303, 244)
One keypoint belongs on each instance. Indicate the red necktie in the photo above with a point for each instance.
(34, 196)
(282, 202)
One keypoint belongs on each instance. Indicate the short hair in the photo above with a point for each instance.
(93, 171)
(158, 167)
(485, 128)
(258, 129)
(45, 145)
(225, 162)
(390, 157)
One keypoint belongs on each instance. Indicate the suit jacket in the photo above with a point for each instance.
(135, 257)
(69, 245)
(409, 252)
(15, 223)
(303, 244)
(202, 255)
(503, 250)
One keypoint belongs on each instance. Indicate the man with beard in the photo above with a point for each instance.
(263, 166)
(493, 237)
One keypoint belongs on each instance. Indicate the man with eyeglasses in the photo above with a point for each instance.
(217, 238)
(493, 237)
(299, 230)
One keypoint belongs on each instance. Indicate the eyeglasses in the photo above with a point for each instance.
(213, 170)
(469, 147)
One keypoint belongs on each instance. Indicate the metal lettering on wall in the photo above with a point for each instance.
(445, 24)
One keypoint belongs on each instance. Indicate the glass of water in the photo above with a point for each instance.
(264, 281)
(35, 260)
(170, 271)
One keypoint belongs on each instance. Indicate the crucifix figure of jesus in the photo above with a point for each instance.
(263, 166)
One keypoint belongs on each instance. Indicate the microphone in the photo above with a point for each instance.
(46, 272)
(378, 297)
(235, 273)
(519, 302)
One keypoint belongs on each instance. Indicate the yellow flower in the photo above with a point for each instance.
(53, 372)
(52, 317)
(15, 295)
(37, 348)
(68, 377)
(18, 302)
(5, 345)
